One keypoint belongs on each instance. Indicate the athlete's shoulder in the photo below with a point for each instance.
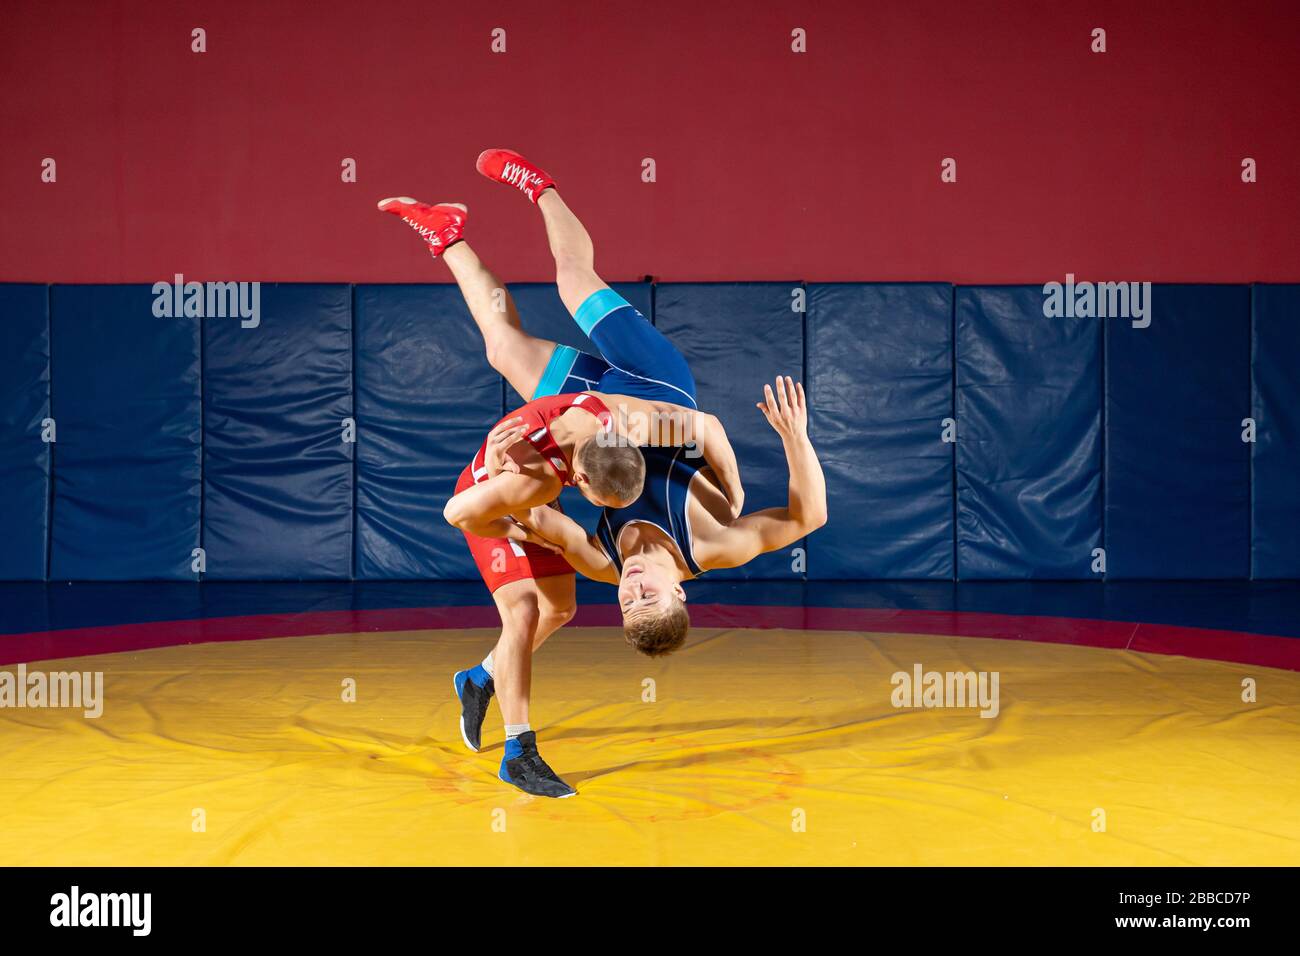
(585, 403)
(566, 400)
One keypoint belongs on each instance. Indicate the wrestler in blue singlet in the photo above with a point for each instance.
(668, 475)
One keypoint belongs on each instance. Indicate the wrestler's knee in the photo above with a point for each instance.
(496, 345)
(520, 619)
(576, 279)
(557, 616)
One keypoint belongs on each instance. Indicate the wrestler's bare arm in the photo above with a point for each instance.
(580, 549)
(484, 509)
(666, 425)
(750, 535)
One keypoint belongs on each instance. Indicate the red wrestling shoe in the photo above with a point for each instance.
(507, 166)
(439, 226)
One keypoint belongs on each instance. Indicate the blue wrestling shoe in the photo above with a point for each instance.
(523, 767)
(474, 688)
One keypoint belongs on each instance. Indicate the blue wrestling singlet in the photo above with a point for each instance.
(635, 358)
(668, 474)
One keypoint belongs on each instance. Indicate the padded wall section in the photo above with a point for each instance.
(426, 397)
(120, 496)
(277, 472)
(1177, 471)
(1029, 400)
(543, 314)
(879, 387)
(1275, 358)
(126, 403)
(24, 456)
(737, 336)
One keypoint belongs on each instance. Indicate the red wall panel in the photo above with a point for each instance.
(771, 164)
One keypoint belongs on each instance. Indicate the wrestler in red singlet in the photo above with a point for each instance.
(500, 560)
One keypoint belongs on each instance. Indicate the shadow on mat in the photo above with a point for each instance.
(649, 734)
(823, 736)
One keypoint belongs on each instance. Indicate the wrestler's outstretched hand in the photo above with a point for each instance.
(786, 410)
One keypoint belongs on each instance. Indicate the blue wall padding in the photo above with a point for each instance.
(277, 472)
(126, 402)
(1275, 521)
(737, 336)
(1177, 471)
(176, 433)
(24, 457)
(543, 314)
(426, 398)
(1029, 404)
(879, 387)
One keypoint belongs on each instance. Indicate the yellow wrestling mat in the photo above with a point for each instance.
(749, 747)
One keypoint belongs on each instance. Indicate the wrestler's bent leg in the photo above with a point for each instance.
(643, 362)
